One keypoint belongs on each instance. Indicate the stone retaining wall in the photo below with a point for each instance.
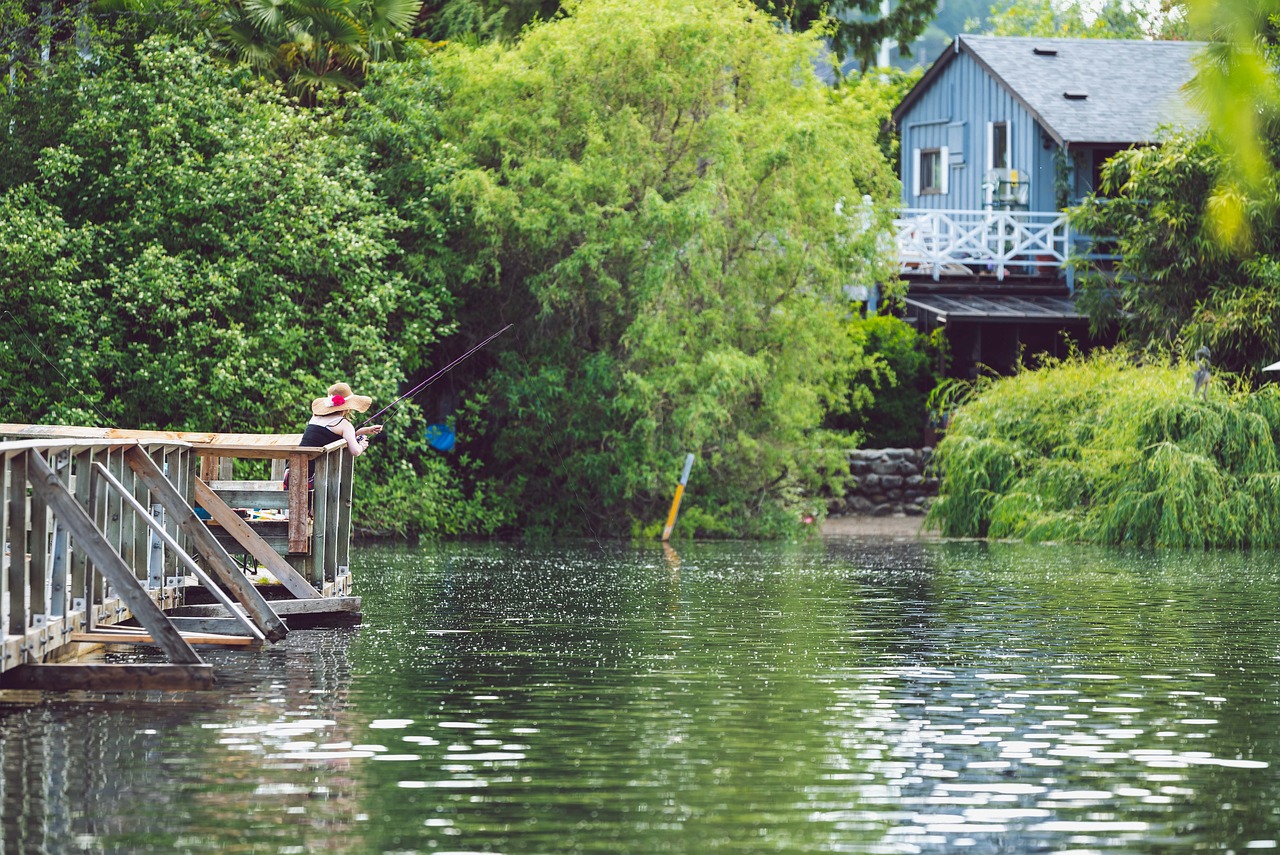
(887, 481)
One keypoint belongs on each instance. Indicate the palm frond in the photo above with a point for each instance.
(308, 80)
(389, 16)
(268, 15)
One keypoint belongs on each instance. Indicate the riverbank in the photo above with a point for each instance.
(891, 525)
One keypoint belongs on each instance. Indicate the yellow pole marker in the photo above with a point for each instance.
(675, 504)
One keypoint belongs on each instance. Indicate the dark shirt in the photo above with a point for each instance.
(318, 436)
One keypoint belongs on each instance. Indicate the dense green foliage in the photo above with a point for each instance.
(1113, 452)
(892, 386)
(310, 46)
(656, 200)
(1179, 285)
(210, 254)
(665, 201)
(1073, 19)
(854, 28)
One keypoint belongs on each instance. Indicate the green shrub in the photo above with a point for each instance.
(888, 397)
(1105, 450)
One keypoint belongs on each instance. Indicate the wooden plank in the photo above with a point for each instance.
(258, 452)
(16, 537)
(249, 440)
(38, 546)
(343, 559)
(98, 512)
(60, 555)
(253, 543)
(321, 505)
(139, 637)
(274, 485)
(284, 608)
(207, 625)
(182, 463)
(5, 565)
(139, 555)
(215, 557)
(112, 526)
(59, 593)
(333, 498)
(78, 587)
(299, 513)
(208, 468)
(110, 678)
(46, 482)
(276, 542)
(275, 500)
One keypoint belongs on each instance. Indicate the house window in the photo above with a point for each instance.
(999, 145)
(931, 171)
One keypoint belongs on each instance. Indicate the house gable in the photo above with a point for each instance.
(962, 115)
(1037, 96)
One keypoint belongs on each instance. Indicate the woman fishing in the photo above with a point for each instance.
(331, 420)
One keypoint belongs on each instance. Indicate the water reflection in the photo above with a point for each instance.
(850, 696)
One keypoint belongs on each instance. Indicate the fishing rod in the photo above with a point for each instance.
(434, 377)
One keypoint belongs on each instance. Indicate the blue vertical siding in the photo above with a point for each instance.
(956, 109)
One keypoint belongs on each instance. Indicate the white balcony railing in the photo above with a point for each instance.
(940, 242)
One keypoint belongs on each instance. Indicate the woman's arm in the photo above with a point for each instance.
(348, 432)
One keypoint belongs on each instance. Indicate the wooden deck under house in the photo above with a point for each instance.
(172, 540)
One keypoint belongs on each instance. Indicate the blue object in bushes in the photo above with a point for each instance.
(440, 437)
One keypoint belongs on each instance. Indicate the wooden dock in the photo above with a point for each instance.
(149, 537)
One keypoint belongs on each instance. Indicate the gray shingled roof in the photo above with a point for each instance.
(1131, 87)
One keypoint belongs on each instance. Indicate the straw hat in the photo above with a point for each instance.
(340, 398)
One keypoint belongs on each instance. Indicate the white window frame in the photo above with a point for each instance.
(991, 145)
(917, 174)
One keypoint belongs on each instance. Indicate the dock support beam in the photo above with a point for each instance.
(49, 487)
(215, 557)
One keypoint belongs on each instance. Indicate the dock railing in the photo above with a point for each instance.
(101, 526)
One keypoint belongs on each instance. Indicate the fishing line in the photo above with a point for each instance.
(434, 377)
(52, 365)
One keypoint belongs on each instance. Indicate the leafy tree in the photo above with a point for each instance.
(667, 202)
(1114, 450)
(486, 20)
(208, 256)
(856, 28)
(35, 32)
(1114, 19)
(1238, 91)
(1178, 285)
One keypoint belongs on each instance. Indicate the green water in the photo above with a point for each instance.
(846, 696)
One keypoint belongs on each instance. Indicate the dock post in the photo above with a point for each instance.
(675, 504)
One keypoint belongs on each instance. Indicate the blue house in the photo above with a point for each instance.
(998, 138)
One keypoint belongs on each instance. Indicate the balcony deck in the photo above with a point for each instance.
(953, 243)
